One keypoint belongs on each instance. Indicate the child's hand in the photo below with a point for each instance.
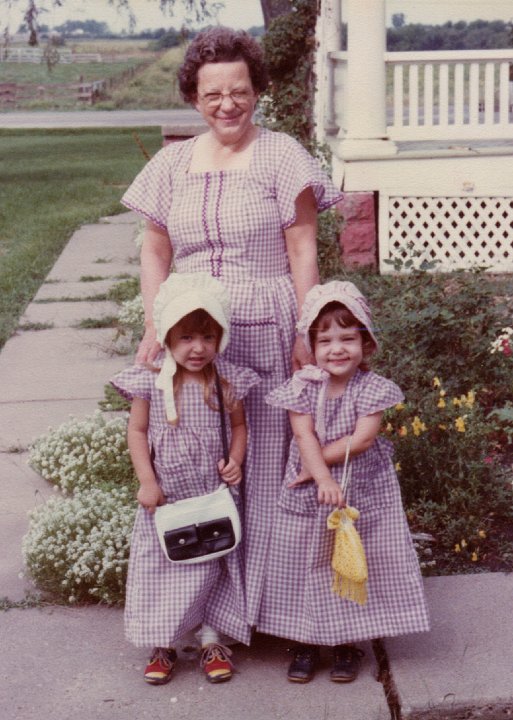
(149, 496)
(303, 476)
(329, 493)
(231, 472)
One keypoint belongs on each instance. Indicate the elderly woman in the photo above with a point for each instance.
(240, 202)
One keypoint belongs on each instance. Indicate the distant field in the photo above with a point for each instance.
(137, 78)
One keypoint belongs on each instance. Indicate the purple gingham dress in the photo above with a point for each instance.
(231, 223)
(165, 601)
(298, 602)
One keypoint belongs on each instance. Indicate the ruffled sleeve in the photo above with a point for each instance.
(241, 379)
(150, 192)
(297, 170)
(134, 381)
(376, 393)
(294, 394)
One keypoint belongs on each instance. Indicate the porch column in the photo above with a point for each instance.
(365, 92)
(329, 36)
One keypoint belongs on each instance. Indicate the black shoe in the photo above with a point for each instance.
(346, 663)
(302, 668)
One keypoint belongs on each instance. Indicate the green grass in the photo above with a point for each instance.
(53, 182)
(70, 73)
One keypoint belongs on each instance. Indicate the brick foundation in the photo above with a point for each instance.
(358, 239)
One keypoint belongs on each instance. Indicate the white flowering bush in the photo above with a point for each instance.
(84, 453)
(140, 230)
(131, 315)
(77, 547)
(503, 343)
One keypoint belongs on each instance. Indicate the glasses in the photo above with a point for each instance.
(238, 97)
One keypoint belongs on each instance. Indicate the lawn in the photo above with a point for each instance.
(54, 181)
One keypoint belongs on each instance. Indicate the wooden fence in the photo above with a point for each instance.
(37, 55)
(12, 94)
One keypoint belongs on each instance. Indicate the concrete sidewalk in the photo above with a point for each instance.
(62, 662)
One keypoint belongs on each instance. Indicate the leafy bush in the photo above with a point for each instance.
(84, 453)
(439, 336)
(453, 483)
(432, 324)
(77, 548)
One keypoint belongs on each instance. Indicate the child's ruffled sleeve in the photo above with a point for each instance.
(149, 194)
(297, 170)
(241, 379)
(376, 394)
(294, 393)
(134, 381)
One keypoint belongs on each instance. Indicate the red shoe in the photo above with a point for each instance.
(161, 665)
(216, 663)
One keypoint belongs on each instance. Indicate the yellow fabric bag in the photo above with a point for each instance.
(348, 560)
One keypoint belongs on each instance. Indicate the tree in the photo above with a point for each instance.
(198, 9)
(274, 8)
(398, 20)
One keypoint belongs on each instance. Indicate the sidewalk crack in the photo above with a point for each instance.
(386, 678)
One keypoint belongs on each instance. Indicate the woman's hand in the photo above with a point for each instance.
(231, 472)
(149, 496)
(329, 493)
(300, 355)
(148, 348)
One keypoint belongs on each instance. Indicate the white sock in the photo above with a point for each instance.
(207, 635)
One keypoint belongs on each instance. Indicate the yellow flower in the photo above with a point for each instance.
(463, 543)
(403, 431)
(436, 382)
(442, 427)
(398, 467)
(389, 427)
(474, 557)
(442, 393)
(441, 403)
(459, 424)
(482, 534)
(399, 407)
(417, 426)
(457, 548)
(471, 398)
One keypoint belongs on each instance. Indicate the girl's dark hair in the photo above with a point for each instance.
(221, 44)
(344, 318)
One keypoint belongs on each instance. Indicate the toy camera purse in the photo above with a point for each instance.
(204, 527)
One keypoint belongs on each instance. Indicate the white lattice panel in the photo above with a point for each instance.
(456, 232)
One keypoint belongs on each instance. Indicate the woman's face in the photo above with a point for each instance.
(226, 99)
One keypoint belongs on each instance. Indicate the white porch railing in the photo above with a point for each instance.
(459, 94)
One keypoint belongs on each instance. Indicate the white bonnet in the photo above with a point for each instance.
(341, 291)
(179, 295)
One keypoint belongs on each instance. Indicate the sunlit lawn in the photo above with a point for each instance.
(52, 182)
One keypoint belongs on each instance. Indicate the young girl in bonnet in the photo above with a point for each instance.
(335, 403)
(175, 442)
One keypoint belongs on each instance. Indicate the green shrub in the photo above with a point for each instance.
(77, 548)
(84, 453)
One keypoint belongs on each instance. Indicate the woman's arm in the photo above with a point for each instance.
(328, 492)
(301, 242)
(232, 472)
(150, 493)
(156, 257)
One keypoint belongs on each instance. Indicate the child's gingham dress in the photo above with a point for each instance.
(164, 601)
(298, 602)
(231, 224)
